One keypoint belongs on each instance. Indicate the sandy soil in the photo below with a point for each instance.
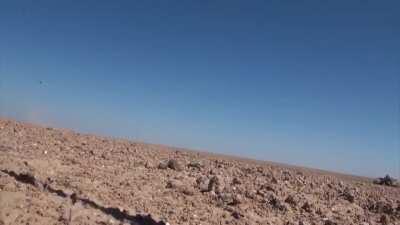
(55, 176)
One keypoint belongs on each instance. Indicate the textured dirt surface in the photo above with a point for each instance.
(54, 176)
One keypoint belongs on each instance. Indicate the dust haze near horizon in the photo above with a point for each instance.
(305, 83)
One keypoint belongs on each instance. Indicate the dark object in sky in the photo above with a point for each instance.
(387, 180)
(43, 83)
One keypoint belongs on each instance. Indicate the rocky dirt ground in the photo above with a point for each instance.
(55, 176)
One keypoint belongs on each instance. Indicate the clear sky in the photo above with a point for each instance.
(313, 83)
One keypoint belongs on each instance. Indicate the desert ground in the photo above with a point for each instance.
(57, 176)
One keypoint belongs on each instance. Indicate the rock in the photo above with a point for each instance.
(215, 184)
(329, 222)
(276, 203)
(268, 187)
(196, 164)
(307, 207)
(227, 198)
(303, 223)
(236, 214)
(230, 199)
(175, 165)
(187, 190)
(173, 184)
(148, 165)
(203, 184)
(251, 194)
(180, 186)
(382, 207)
(237, 199)
(236, 180)
(348, 195)
(69, 193)
(65, 215)
(163, 165)
(172, 164)
(384, 220)
(291, 201)
(286, 175)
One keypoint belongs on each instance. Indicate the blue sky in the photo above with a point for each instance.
(313, 83)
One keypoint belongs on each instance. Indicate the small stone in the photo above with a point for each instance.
(303, 222)
(173, 184)
(65, 215)
(384, 220)
(329, 222)
(148, 165)
(195, 164)
(235, 181)
(187, 190)
(307, 207)
(175, 165)
(180, 187)
(237, 199)
(226, 198)
(348, 195)
(236, 214)
(68, 192)
(203, 184)
(291, 201)
(163, 165)
(382, 207)
(275, 202)
(215, 184)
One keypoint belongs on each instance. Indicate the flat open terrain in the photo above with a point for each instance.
(55, 176)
